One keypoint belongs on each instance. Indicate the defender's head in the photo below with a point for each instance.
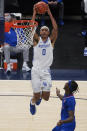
(71, 87)
(44, 31)
(9, 17)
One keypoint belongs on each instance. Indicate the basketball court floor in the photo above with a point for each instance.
(15, 96)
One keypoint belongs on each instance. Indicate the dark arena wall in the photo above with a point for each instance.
(25, 6)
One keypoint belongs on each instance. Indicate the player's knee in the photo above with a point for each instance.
(45, 96)
(37, 98)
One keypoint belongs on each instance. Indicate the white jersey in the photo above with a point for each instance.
(43, 54)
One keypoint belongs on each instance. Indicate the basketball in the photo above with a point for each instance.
(41, 7)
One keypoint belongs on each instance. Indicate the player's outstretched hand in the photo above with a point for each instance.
(57, 91)
(59, 123)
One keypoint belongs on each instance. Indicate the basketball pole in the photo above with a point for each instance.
(1, 28)
(1, 22)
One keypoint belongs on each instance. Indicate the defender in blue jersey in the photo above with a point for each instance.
(67, 122)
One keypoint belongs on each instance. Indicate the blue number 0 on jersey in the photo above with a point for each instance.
(43, 51)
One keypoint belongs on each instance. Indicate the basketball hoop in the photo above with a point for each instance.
(25, 30)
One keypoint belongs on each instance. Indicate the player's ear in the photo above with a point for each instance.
(40, 32)
(48, 33)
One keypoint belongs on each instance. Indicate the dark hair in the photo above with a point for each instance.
(13, 16)
(73, 86)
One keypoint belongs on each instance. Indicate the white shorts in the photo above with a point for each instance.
(41, 80)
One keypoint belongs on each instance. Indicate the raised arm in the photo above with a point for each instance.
(54, 32)
(58, 94)
(36, 37)
(34, 13)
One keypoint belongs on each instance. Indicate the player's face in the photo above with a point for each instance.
(44, 33)
(66, 88)
(7, 17)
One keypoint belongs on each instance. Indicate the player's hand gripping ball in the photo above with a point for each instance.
(41, 7)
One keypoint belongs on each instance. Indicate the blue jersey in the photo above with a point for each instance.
(46, 1)
(68, 104)
(11, 38)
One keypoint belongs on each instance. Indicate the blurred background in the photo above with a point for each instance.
(71, 42)
(25, 6)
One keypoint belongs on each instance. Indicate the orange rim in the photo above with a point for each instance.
(33, 24)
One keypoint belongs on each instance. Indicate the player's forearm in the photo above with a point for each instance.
(34, 16)
(60, 96)
(54, 24)
(34, 13)
(70, 119)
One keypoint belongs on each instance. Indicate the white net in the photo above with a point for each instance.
(25, 34)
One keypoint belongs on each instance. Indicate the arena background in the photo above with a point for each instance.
(69, 59)
(69, 48)
(69, 63)
(25, 6)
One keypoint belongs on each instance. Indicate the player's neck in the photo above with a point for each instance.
(44, 39)
(67, 93)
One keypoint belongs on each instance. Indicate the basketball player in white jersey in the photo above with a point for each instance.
(43, 58)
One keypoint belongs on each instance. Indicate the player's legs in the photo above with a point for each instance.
(36, 97)
(7, 49)
(25, 52)
(25, 59)
(45, 95)
(36, 85)
(36, 90)
(61, 12)
(7, 53)
(46, 85)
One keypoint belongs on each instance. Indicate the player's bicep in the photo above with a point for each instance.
(54, 35)
(35, 38)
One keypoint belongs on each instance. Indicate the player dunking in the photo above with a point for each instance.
(43, 58)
